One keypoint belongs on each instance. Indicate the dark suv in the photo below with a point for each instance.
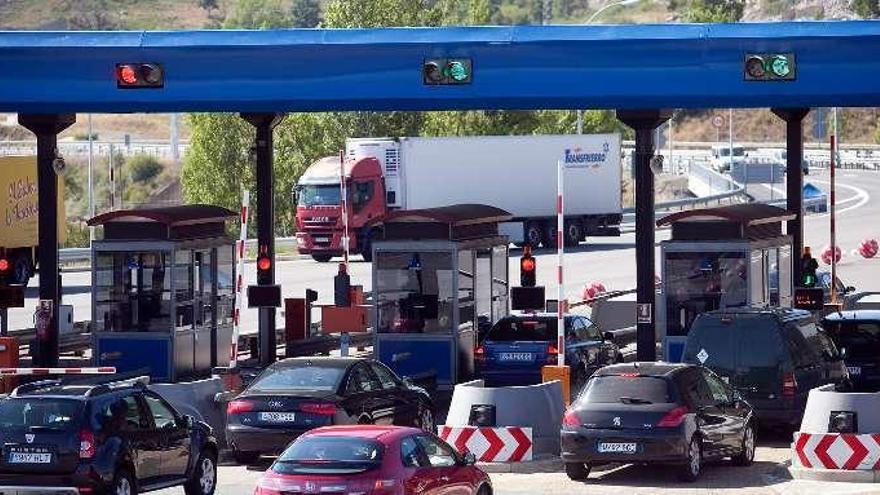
(772, 356)
(101, 439)
(857, 335)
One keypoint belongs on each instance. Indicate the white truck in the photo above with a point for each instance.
(514, 173)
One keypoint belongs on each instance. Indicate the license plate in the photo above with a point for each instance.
(277, 417)
(29, 458)
(854, 370)
(617, 448)
(322, 239)
(516, 356)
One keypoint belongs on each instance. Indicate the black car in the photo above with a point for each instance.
(774, 357)
(662, 413)
(518, 346)
(857, 335)
(298, 394)
(101, 439)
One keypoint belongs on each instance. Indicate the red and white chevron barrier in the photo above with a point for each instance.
(499, 444)
(846, 451)
(104, 370)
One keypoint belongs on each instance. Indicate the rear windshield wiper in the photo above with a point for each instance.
(634, 400)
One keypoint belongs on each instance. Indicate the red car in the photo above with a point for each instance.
(373, 460)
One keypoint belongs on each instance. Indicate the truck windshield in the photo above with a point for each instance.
(323, 194)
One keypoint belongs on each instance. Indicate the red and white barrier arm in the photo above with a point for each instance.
(103, 370)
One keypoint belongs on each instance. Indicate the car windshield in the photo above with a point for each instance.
(48, 414)
(861, 339)
(329, 455)
(320, 195)
(521, 329)
(305, 377)
(609, 389)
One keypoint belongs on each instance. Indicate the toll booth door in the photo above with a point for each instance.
(204, 310)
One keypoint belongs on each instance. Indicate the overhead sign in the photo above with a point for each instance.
(264, 296)
(527, 298)
(811, 299)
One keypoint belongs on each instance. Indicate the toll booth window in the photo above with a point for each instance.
(225, 284)
(183, 289)
(466, 279)
(701, 282)
(414, 292)
(132, 292)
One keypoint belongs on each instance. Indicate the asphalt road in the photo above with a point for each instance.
(607, 260)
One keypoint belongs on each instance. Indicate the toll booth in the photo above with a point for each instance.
(436, 274)
(719, 258)
(163, 290)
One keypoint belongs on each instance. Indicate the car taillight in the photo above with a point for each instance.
(239, 406)
(673, 418)
(789, 385)
(479, 352)
(323, 408)
(570, 419)
(86, 444)
(552, 353)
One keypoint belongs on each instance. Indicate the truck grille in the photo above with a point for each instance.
(319, 222)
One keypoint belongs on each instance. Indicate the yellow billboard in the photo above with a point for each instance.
(18, 197)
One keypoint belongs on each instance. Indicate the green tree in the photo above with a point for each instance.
(867, 9)
(305, 13)
(143, 168)
(257, 14)
(713, 11)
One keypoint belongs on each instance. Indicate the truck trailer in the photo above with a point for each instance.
(514, 173)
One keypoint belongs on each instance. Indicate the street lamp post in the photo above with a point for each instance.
(621, 3)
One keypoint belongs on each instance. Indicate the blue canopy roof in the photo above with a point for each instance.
(626, 67)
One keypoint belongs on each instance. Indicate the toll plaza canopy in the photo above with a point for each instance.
(618, 67)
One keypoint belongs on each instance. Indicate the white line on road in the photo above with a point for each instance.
(861, 194)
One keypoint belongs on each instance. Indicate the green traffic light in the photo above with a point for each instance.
(457, 71)
(780, 66)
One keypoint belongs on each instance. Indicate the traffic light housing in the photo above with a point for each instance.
(139, 76)
(264, 266)
(445, 72)
(809, 265)
(770, 67)
(527, 268)
(5, 269)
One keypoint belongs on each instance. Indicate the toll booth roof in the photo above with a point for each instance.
(173, 222)
(455, 222)
(744, 221)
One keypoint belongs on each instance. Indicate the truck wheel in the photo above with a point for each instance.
(322, 258)
(574, 233)
(22, 271)
(534, 234)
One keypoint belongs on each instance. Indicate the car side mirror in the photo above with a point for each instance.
(608, 336)
(186, 421)
(469, 459)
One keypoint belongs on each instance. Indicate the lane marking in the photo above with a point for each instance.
(862, 199)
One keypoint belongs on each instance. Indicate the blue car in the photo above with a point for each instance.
(517, 346)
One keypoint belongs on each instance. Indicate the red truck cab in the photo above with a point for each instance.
(318, 195)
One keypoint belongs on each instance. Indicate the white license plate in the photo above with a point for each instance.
(29, 458)
(617, 448)
(277, 417)
(854, 370)
(516, 356)
(322, 239)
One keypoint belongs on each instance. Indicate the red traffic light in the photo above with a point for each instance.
(139, 76)
(264, 263)
(527, 264)
(4, 265)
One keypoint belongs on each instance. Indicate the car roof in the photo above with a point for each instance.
(782, 313)
(373, 432)
(322, 361)
(56, 389)
(854, 315)
(646, 368)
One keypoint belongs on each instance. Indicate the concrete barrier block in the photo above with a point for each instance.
(537, 406)
(823, 400)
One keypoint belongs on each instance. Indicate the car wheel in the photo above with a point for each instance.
(322, 258)
(484, 490)
(534, 234)
(747, 454)
(204, 476)
(577, 471)
(691, 470)
(123, 483)
(426, 419)
(245, 457)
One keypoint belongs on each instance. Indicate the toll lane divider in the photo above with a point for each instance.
(841, 451)
(490, 444)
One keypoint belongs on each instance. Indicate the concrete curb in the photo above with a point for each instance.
(540, 464)
(835, 475)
